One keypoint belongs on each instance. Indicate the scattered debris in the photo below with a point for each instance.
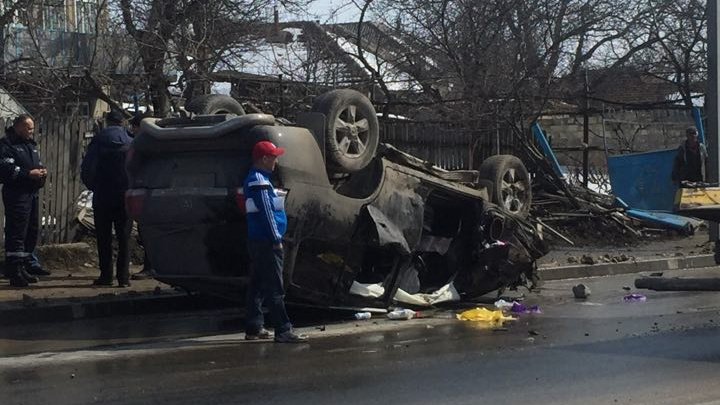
(446, 293)
(484, 315)
(658, 274)
(572, 260)
(502, 304)
(634, 298)
(587, 260)
(578, 214)
(363, 315)
(401, 314)
(519, 308)
(581, 291)
(626, 288)
(533, 332)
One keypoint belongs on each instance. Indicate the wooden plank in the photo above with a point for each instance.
(49, 157)
(45, 138)
(55, 189)
(41, 139)
(65, 192)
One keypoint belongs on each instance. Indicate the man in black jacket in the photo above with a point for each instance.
(103, 172)
(689, 163)
(22, 175)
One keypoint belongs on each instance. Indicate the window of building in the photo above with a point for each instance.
(87, 12)
(54, 15)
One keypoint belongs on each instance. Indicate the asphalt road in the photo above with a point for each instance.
(599, 351)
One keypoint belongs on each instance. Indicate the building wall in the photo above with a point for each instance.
(624, 131)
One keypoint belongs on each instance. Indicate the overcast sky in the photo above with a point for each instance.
(323, 10)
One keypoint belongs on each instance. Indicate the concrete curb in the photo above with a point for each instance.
(609, 269)
(135, 304)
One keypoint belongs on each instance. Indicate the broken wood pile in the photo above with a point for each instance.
(586, 218)
(574, 214)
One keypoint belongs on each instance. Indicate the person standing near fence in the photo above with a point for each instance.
(22, 174)
(689, 163)
(103, 173)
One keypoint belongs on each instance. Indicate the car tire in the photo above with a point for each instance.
(352, 132)
(510, 180)
(214, 104)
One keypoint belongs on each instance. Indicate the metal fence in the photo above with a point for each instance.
(452, 146)
(62, 144)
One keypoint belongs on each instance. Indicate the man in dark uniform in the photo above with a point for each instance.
(22, 175)
(103, 172)
(689, 164)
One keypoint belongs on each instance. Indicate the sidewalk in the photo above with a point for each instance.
(68, 293)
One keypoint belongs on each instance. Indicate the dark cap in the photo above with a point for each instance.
(266, 148)
(115, 117)
(691, 131)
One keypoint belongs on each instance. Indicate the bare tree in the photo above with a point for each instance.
(680, 56)
(508, 54)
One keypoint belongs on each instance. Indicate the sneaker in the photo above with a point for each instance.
(291, 337)
(38, 271)
(144, 274)
(264, 334)
(102, 282)
(28, 277)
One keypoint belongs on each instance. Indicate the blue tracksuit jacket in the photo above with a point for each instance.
(265, 209)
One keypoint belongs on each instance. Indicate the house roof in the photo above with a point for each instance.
(305, 51)
(620, 86)
(9, 106)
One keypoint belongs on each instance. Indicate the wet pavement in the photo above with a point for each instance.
(597, 351)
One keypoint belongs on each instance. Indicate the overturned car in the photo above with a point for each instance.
(359, 212)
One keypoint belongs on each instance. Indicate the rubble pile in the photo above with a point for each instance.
(576, 215)
(583, 217)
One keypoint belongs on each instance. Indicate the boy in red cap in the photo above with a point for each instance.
(266, 226)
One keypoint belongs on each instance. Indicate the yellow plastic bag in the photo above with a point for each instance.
(491, 318)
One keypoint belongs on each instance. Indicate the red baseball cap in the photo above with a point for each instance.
(266, 148)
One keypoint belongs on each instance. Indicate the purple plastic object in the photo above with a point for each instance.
(519, 308)
(634, 298)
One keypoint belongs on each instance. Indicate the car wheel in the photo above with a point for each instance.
(510, 180)
(214, 104)
(352, 132)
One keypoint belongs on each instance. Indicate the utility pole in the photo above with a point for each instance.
(586, 132)
(711, 109)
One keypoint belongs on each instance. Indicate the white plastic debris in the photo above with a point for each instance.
(502, 304)
(367, 290)
(446, 293)
(401, 314)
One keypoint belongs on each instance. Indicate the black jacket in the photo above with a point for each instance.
(681, 170)
(17, 157)
(103, 168)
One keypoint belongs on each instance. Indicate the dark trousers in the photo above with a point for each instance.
(21, 226)
(109, 212)
(266, 286)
